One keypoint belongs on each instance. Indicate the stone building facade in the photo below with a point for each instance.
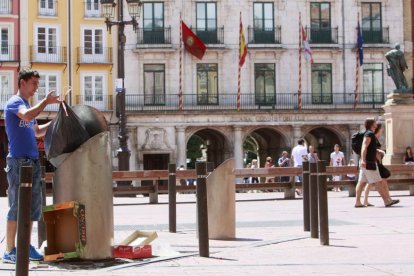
(270, 115)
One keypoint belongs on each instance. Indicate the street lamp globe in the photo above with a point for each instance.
(108, 9)
(134, 8)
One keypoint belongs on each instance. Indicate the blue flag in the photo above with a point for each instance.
(360, 49)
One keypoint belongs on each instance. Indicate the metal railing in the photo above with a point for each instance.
(9, 53)
(92, 9)
(46, 54)
(211, 36)
(93, 55)
(322, 35)
(376, 35)
(47, 10)
(279, 101)
(100, 102)
(154, 36)
(6, 6)
(265, 36)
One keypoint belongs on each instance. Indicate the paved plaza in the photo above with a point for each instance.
(270, 239)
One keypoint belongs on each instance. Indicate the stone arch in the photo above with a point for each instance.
(215, 144)
(323, 139)
(270, 141)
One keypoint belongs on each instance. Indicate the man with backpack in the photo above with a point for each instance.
(368, 167)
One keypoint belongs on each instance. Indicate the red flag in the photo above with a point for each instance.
(243, 46)
(192, 43)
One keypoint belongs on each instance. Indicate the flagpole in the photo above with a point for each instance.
(238, 76)
(357, 70)
(180, 95)
(300, 64)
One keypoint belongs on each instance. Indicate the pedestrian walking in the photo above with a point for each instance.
(369, 172)
(312, 155)
(299, 153)
(284, 162)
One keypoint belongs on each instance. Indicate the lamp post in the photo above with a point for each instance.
(108, 11)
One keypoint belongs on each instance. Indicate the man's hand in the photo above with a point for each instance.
(51, 98)
(363, 164)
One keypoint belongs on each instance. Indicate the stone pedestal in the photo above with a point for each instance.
(399, 123)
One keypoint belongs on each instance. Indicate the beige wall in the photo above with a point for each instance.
(408, 40)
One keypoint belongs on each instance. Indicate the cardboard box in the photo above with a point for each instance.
(65, 230)
(136, 246)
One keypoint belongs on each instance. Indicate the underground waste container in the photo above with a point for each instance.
(85, 176)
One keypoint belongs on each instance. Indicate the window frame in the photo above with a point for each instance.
(41, 55)
(263, 19)
(92, 13)
(154, 100)
(99, 104)
(46, 11)
(7, 55)
(375, 97)
(96, 57)
(207, 98)
(324, 98)
(257, 70)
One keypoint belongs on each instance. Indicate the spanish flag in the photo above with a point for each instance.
(192, 43)
(243, 46)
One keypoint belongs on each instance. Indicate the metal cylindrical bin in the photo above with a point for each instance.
(85, 176)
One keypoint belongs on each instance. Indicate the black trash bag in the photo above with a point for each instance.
(93, 120)
(65, 133)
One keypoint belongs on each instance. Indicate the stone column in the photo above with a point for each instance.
(181, 147)
(238, 147)
(399, 126)
(297, 134)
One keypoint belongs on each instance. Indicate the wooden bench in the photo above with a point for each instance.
(402, 177)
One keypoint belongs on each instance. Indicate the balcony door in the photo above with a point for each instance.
(93, 50)
(207, 84)
(47, 44)
(320, 31)
(263, 23)
(373, 83)
(93, 91)
(321, 83)
(153, 20)
(264, 75)
(371, 22)
(154, 84)
(207, 22)
(5, 48)
(47, 82)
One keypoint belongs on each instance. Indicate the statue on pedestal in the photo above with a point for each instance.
(397, 66)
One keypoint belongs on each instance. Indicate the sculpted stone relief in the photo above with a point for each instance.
(156, 138)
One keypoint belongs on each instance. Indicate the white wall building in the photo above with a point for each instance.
(269, 118)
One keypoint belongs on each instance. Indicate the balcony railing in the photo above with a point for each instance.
(92, 55)
(100, 102)
(6, 6)
(92, 9)
(47, 54)
(322, 35)
(279, 101)
(211, 36)
(154, 36)
(265, 36)
(9, 53)
(376, 35)
(47, 8)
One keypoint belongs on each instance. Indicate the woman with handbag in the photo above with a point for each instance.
(384, 172)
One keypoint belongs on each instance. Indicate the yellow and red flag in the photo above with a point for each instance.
(243, 46)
